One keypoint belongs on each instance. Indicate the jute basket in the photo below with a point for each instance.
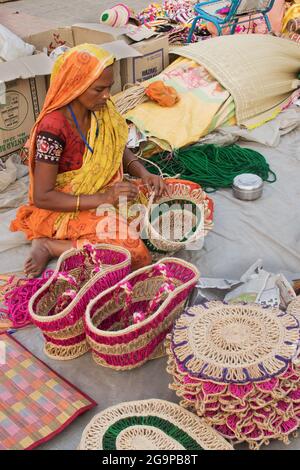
(173, 221)
(59, 306)
(126, 325)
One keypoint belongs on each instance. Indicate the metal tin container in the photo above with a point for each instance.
(248, 187)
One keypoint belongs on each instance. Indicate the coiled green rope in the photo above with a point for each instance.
(211, 166)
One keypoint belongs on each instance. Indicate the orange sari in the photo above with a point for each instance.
(74, 72)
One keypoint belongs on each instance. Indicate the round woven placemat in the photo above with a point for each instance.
(150, 425)
(239, 343)
(294, 308)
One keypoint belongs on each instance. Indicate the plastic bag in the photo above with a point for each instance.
(12, 47)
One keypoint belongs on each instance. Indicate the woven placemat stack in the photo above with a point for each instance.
(237, 366)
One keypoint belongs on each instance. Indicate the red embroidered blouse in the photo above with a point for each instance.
(58, 143)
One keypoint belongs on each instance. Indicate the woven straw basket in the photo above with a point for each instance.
(126, 325)
(58, 307)
(187, 210)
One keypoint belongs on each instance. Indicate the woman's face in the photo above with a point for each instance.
(96, 96)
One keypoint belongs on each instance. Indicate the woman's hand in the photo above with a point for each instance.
(155, 183)
(118, 190)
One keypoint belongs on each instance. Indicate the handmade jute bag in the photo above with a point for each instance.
(126, 325)
(59, 306)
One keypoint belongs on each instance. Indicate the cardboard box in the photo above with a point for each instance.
(154, 59)
(155, 51)
(23, 91)
(82, 33)
(50, 39)
(23, 24)
(94, 33)
(105, 33)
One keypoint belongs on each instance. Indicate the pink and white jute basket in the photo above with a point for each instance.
(59, 306)
(127, 325)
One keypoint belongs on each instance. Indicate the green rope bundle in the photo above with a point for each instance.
(211, 166)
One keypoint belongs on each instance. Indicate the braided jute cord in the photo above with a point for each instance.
(150, 424)
(211, 166)
(130, 98)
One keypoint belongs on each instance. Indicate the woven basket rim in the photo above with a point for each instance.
(153, 406)
(190, 196)
(175, 244)
(129, 329)
(75, 350)
(82, 291)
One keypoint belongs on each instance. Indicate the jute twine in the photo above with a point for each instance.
(130, 98)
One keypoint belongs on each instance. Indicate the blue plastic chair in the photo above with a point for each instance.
(207, 11)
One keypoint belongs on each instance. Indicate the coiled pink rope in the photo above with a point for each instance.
(16, 299)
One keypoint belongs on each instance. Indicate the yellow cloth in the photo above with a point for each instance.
(100, 168)
(292, 13)
(201, 97)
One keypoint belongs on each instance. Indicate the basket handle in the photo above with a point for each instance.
(64, 300)
(140, 316)
(91, 254)
(61, 276)
(126, 286)
(160, 269)
(128, 289)
(166, 288)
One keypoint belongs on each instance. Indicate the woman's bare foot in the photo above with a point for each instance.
(43, 250)
(38, 259)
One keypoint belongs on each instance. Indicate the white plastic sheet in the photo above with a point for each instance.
(12, 47)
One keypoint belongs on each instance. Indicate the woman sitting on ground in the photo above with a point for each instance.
(77, 152)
